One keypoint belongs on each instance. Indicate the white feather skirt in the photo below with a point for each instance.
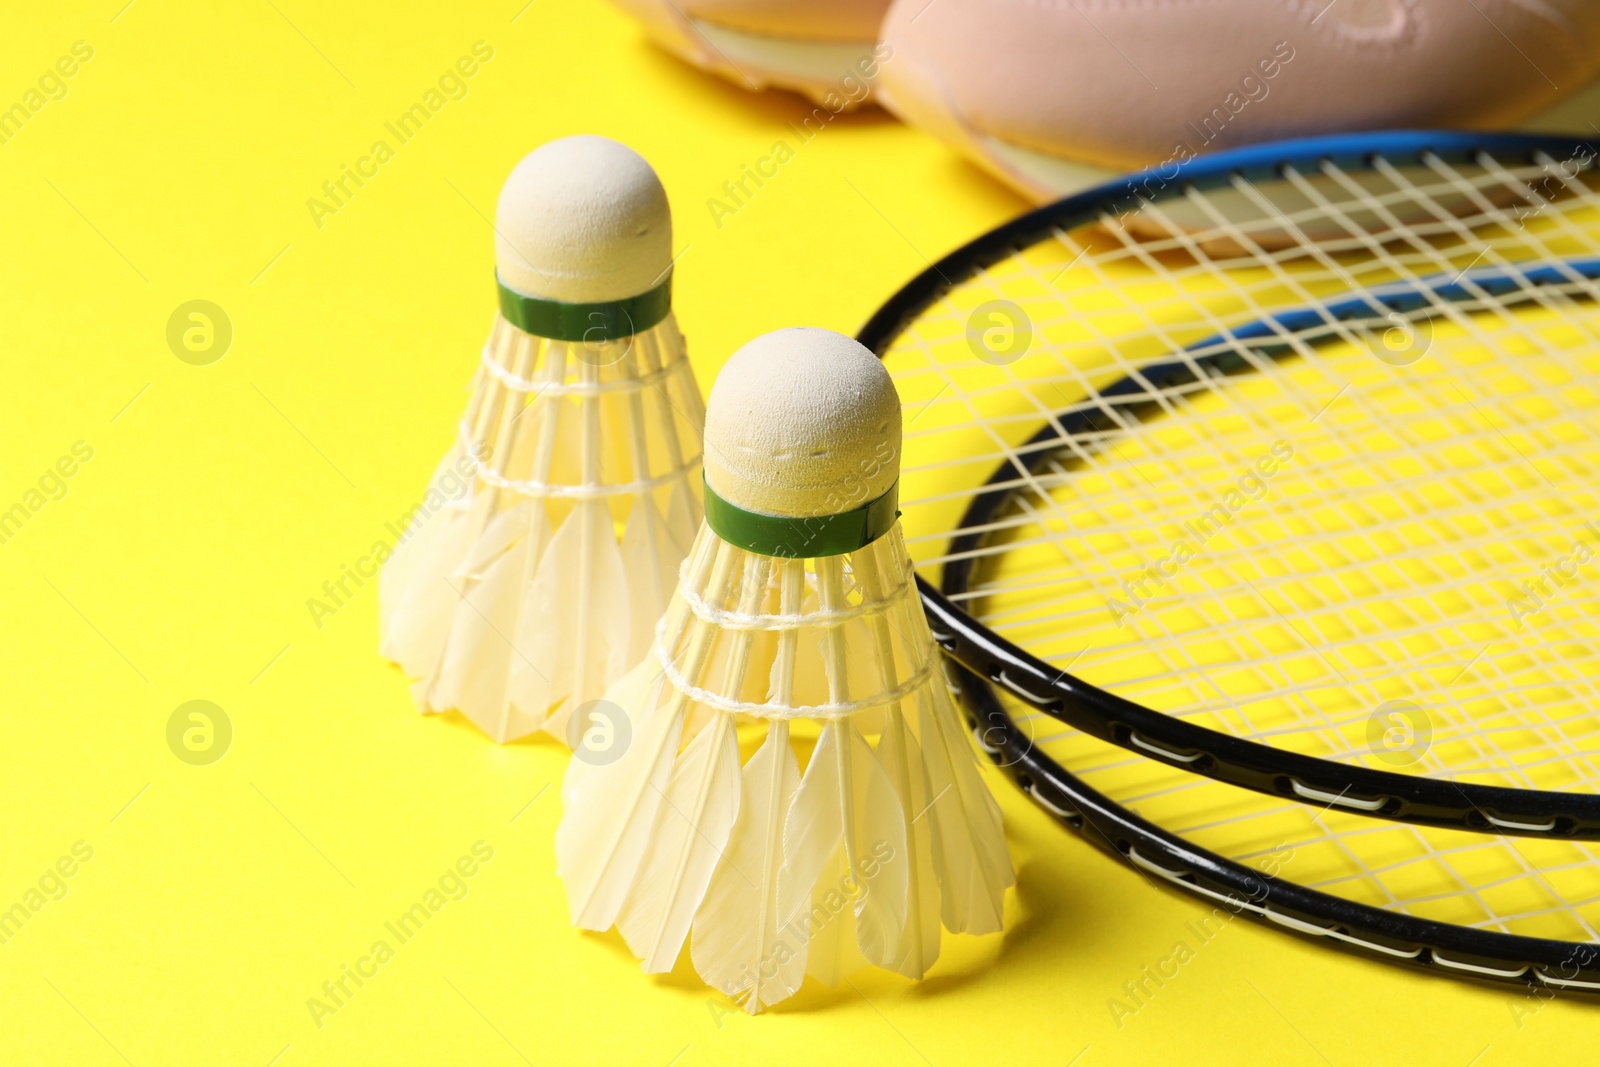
(537, 584)
(887, 834)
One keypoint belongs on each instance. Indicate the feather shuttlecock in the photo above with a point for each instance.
(532, 590)
(797, 619)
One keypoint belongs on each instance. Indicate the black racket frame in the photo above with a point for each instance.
(983, 660)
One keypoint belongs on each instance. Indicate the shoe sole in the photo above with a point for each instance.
(758, 61)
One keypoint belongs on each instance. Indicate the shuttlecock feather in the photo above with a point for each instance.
(537, 584)
(795, 618)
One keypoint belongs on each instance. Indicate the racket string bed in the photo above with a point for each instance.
(1414, 317)
(1220, 560)
(1214, 324)
(1411, 277)
(1045, 495)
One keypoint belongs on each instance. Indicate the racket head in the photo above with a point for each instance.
(1007, 426)
(1184, 305)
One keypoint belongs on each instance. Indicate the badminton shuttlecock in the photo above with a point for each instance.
(796, 617)
(539, 584)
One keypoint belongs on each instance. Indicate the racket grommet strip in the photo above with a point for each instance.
(1032, 698)
(1163, 752)
(1545, 827)
(1478, 968)
(1068, 814)
(1343, 800)
(1564, 983)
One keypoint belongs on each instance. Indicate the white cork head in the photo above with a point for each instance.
(801, 423)
(583, 220)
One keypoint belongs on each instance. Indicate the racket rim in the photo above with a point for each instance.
(1372, 932)
(1207, 171)
(1491, 809)
(1391, 795)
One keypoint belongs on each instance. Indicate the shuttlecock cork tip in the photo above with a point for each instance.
(583, 220)
(802, 423)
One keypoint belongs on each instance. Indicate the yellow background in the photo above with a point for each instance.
(220, 498)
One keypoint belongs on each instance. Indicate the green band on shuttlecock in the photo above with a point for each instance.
(809, 538)
(604, 321)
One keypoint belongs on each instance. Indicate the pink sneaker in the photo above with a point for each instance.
(1055, 96)
(817, 47)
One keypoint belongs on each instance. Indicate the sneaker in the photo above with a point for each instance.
(1054, 97)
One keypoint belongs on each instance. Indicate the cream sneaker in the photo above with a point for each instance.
(1056, 95)
(826, 49)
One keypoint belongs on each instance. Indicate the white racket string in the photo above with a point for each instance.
(1370, 568)
(1394, 228)
(1381, 254)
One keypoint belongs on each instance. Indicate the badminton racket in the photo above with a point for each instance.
(1259, 501)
